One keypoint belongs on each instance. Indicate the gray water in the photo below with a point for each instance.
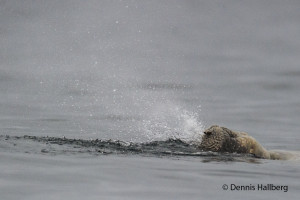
(144, 71)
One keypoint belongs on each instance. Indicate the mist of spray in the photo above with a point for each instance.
(171, 121)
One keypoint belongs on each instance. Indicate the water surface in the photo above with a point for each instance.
(142, 72)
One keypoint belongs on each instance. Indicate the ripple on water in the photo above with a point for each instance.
(168, 148)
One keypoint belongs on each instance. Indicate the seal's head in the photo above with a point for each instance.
(215, 138)
(221, 139)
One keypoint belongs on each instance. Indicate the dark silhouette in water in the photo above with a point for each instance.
(217, 143)
(66, 146)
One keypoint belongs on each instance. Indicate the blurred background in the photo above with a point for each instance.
(148, 70)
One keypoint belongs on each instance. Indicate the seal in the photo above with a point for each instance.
(221, 139)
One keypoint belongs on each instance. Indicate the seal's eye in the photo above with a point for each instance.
(207, 132)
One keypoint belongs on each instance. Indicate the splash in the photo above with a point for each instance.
(192, 127)
(171, 121)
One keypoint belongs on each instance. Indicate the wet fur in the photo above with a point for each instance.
(221, 139)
